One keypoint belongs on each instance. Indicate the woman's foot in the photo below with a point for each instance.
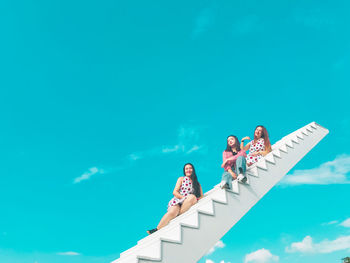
(152, 231)
(223, 185)
(241, 178)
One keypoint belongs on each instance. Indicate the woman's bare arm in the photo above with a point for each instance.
(176, 192)
(245, 148)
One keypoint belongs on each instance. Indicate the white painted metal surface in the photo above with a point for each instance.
(189, 236)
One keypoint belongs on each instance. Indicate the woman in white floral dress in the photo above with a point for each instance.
(258, 147)
(186, 193)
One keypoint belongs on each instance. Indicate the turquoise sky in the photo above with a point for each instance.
(103, 102)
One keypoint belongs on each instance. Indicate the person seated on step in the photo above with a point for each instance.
(234, 163)
(186, 193)
(258, 147)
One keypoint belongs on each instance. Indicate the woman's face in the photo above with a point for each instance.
(188, 170)
(231, 141)
(258, 132)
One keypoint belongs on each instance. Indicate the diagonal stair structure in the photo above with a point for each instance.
(189, 236)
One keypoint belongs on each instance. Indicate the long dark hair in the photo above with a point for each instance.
(265, 136)
(195, 183)
(236, 146)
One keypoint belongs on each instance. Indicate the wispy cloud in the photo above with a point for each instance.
(188, 141)
(217, 245)
(88, 174)
(330, 223)
(326, 246)
(69, 253)
(333, 172)
(210, 261)
(345, 223)
(203, 22)
(261, 256)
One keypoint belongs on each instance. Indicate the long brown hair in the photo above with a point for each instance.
(236, 146)
(195, 183)
(265, 136)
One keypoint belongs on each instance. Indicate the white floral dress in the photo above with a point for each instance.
(185, 190)
(255, 147)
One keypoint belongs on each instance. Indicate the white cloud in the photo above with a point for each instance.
(326, 246)
(175, 148)
(134, 156)
(187, 143)
(304, 246)
(217, 245)
(193, 149)
(330, 223)
(209, 261)
(333, 172)
(87, 175)
(345, 223)
(261, 256)
(69, 253)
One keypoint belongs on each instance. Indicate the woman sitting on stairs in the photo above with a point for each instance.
(234, 163)
(186, 193)
(258, 147)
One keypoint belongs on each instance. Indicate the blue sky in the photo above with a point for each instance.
(102, 103)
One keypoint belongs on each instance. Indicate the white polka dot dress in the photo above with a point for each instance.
(185, 190)
(255, 147)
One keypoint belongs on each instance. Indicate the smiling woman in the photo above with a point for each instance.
(186, 193)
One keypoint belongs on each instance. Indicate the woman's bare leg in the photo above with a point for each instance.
(172, 213)
(189, 201)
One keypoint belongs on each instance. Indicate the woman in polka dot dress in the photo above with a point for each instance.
(186, 193)
(258, 147)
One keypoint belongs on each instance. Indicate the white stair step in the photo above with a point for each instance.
(269, 158)
(283, 148)
(152, 251)
(173, 234)
(235, 188)
(299, 135)
(309, 128)
(130, 259)
(206, 207)
(253, 171)
(276, 153)
(191, 220)
(294, 138)
(219, 196)
(304, 131)
(289, 143)
(313, 125)
(261, 164)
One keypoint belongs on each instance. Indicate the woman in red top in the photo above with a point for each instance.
(234, 163)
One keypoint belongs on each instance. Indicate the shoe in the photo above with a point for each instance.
(241, 178)
(223, 185)
(152, 231)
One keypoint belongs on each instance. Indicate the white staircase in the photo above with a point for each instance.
(189, 236)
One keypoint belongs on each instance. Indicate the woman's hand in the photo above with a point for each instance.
(224, 163)
(256, 153)
(245, 138)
